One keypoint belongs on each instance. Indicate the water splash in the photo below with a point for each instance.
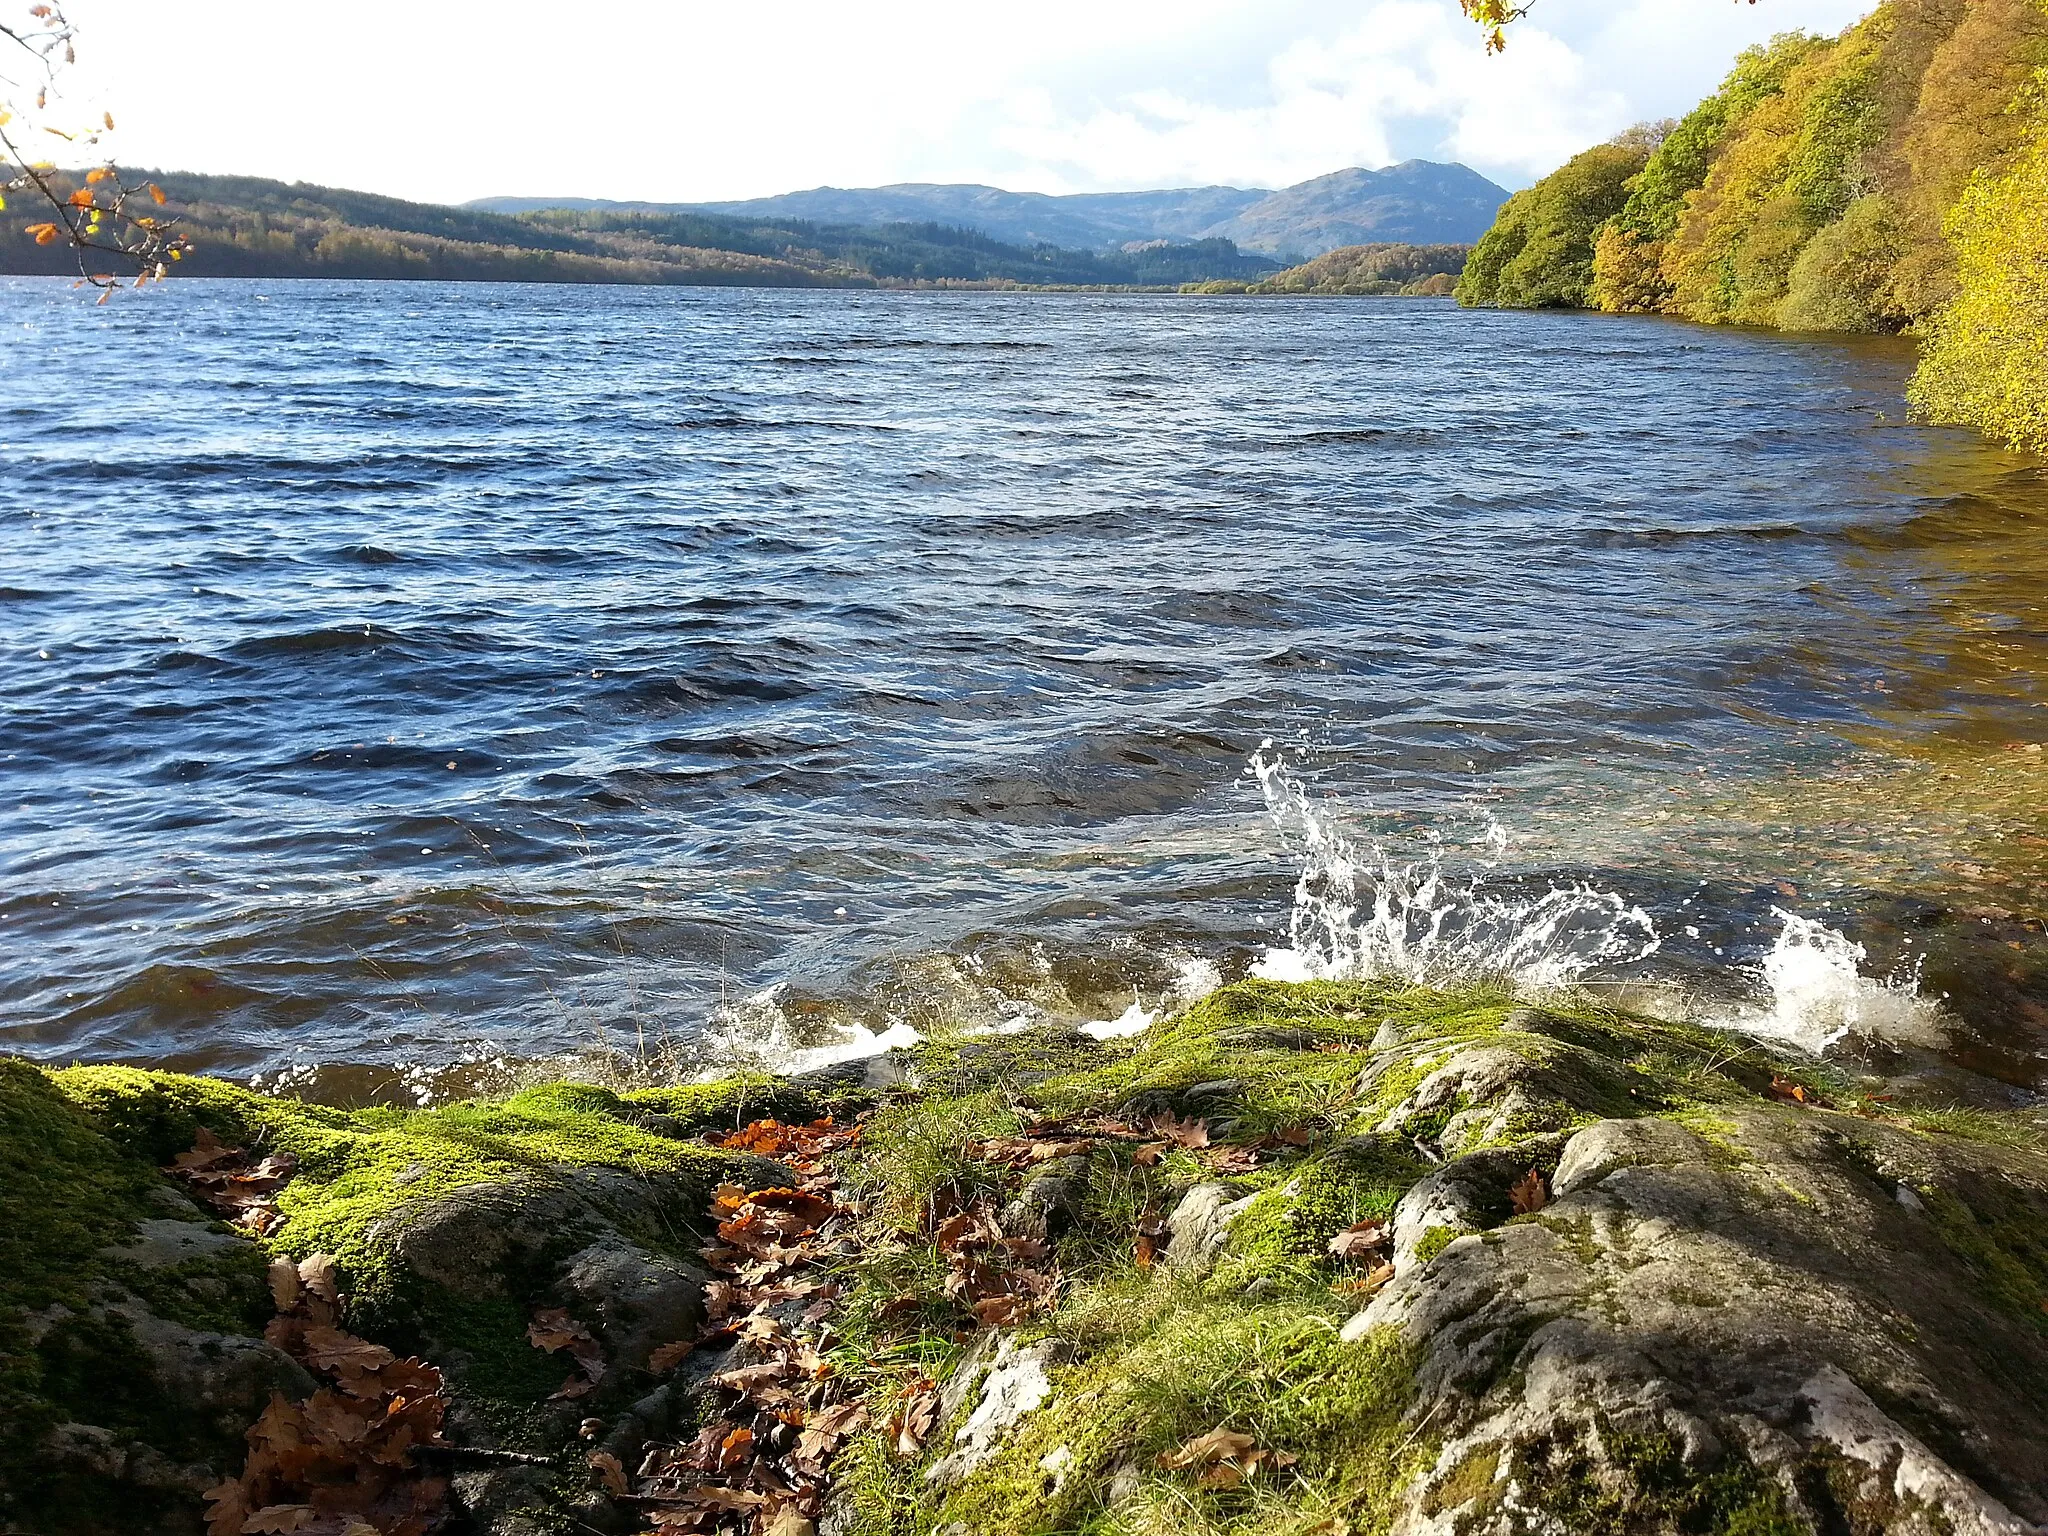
(1818, 995)
(1363, 913)
(754, 1034)
(1195, 977)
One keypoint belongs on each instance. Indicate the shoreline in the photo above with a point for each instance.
(1302, 1257)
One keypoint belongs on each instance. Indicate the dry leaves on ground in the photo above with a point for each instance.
(552, 1329)
(235, 1182)
(1787, 1091)
(759, 1465)
(1361, 1241)
(340, 1463)
(1223, 1458)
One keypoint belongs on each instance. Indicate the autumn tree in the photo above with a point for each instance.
(110, 225)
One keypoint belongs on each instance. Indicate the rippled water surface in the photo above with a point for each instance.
(403, 674)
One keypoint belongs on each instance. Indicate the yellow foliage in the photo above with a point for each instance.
(1627, 273)
(1985, 363)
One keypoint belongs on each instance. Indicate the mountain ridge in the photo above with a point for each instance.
(1416, 201)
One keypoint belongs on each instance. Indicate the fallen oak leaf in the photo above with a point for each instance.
(1359, 1241)
(610, 1470)
(279, 1519)
(1529, 1194)
(1190, 1133)
(227, 1506)
(669, 1356)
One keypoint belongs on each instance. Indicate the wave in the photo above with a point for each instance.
(1361, 913)
(1816, 995)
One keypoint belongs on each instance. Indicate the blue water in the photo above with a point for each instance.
(394, 673)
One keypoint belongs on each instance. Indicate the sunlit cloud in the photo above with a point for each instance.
(689, 101)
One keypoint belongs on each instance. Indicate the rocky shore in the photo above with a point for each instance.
(1326, 1258)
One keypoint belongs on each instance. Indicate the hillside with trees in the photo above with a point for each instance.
(1892, 179)
(245, 226)
(1361, 270)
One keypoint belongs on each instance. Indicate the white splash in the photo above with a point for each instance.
(754, 1034)
(1818, 995)
(1366, 914)
(1194, 978)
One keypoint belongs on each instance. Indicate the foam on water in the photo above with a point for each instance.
(1816, 994)
(754, 1034)
(1363, 912)
(1194, 979)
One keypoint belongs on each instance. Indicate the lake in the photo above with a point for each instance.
(405, 682)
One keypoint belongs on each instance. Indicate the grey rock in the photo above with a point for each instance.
(635, 1301)
(1758, 1305)
(1050, 1202)
(1200, 1228)
(1018, 1379)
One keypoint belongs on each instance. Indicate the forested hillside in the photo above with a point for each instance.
(1892, 179)
(244, 226)
(1360, 270)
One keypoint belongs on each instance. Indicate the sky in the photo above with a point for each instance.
(685, 101)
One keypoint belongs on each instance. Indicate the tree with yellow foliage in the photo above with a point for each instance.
(112, 241)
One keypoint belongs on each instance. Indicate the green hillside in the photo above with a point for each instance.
(1359, 270)
(245, 226)
(1892, 179)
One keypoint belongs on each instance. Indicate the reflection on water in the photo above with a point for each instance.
(441, 678)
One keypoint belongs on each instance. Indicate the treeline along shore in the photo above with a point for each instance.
(1891, 179)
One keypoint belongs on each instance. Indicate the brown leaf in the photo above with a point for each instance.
(279, 1519)
(610, 1470)
(920, 1416)
(669, 1356)
(1205, 1450)
(580, 1385)
(1790, 1092)
(316, 1274)
(847, 1418)
(1359, 1241)
(1294, 1136)
(284, 1284)
(207, 1149)
(552, 1329)
(998, 1311)
(1529, 1193)
(227, 1506)
(1190, 1133)
(789, 1522)
(329, 1349)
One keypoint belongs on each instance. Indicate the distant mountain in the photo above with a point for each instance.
(246, 226)
(1417, 201)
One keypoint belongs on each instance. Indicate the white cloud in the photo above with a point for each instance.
(691, 99)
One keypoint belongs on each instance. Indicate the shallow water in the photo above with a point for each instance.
(404, 677)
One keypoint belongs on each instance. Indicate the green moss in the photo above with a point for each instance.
(360, 1168)
(69, 1199)
(692, 1109)
(1433, 1242)
(2002, 1239)
(1657, 1491)
(1159, 1365)
(1471, 1479)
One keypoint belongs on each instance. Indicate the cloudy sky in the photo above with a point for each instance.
(681, 100)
